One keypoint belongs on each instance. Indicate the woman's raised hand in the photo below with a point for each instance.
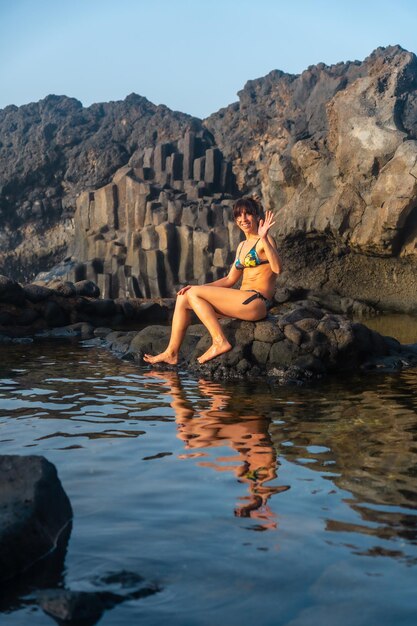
(265, 225)
(182, 291)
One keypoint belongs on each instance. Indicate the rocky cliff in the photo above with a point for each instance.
(53, 149)
(164, 220)
(333, 152)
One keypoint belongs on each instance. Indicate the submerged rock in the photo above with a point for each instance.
(34, 511)
(71, 606)
(86, 607)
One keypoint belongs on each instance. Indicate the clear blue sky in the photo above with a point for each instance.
(192, 55)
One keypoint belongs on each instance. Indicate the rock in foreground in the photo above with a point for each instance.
(34, 511)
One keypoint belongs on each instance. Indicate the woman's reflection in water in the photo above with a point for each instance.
(218, 426)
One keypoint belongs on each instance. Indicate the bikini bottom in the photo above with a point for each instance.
(257, 294)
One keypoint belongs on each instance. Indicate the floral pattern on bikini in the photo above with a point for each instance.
(251, 258)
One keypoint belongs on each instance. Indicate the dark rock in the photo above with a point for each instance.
(203, 344)
(154, 312)
(84, 608)
(34, 511)
(87, 288)
(344, 336)
(260, 351)
(233, 357)
(6, 285)
(301, 313)
(11, 292)
(379, 346)
(255, 372)
(268, 331)
(128, 309)
(102, 332)
(292, 375)
(105, 308)
(243, 366)
(212, 166)
(331, 301)
(37, 293)
(322, 349)
(393, 344)
(363, 336)
(307, 324)
(310, 363)
(241, 333)
(293, 334)
(55, 315)
(6, 318)
(282, 295)
(63, 288)
(27, 317)
(328, 325)
(283, 353)
(152, 340)
(77, 606)
(22, 340)
(84, 306)
(86, 330)
(119, 341)
(80, 329)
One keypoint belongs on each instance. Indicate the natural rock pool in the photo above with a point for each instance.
(241, 504)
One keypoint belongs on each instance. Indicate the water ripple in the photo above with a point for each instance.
(188, 481)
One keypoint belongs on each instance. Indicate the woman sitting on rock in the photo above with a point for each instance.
(257, 263)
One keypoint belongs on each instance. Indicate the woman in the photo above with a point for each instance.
(257, 263)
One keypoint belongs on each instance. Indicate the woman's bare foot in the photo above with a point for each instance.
(218, 347)
(164, 357)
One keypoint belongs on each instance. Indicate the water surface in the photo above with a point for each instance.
(243, 503)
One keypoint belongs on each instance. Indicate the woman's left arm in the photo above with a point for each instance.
(268, 243)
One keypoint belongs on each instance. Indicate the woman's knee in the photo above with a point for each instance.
(193, 292)
(182, 300)
(199, 291)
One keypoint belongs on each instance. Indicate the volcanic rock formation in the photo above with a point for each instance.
(164, 220)
(64, 309)
(294, 344)
(333, 151)
(53, 149)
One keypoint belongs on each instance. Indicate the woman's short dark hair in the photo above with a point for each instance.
(249, 204)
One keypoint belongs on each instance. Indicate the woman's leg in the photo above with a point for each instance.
(180, 323)
(207, 314)
(208, 302)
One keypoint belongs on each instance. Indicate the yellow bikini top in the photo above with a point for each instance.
(251, 258)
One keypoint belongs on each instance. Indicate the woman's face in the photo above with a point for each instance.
(247, 222)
